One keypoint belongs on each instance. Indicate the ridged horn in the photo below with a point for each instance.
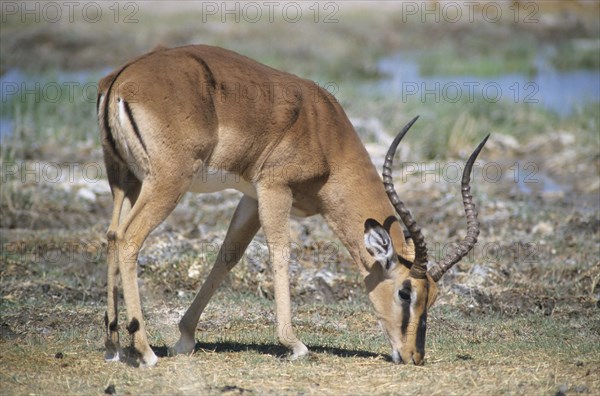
(419, 267)
(465, 246)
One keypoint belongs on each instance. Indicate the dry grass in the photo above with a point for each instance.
(512, 356)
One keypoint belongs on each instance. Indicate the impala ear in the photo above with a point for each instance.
(379, 244)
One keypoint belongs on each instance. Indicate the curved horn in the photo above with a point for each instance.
(465, 246)
(419, 267)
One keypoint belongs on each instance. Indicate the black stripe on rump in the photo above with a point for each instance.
(134, 125)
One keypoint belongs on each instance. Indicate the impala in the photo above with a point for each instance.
(202, 119)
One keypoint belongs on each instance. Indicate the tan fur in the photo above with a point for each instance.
(289, 142)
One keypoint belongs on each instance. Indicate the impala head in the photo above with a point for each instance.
(402, 290)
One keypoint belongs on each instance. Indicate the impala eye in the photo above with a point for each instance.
(404, 294)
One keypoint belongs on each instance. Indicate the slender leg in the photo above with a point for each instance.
(123, 185)
(154, 204)
(274, 205)
(111, 316)
(242, 228)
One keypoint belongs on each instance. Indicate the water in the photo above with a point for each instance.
(559, 91)
(6, 127)
(15, 84)
(541, 184)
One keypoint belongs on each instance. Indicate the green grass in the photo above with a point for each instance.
(577, 54)
(52, 110)
(480, 56)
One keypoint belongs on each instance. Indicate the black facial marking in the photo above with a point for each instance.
(421, 330)
(133, 326)
(422, 327)
(404, 294)
(405, 308)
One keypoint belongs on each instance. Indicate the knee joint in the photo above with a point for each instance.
(111, 236)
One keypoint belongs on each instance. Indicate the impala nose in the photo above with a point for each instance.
(415, 358)
(418, 359)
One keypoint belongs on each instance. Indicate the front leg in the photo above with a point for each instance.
(274, 204)
(244, 225)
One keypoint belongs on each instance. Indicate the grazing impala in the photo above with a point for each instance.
(202, 119)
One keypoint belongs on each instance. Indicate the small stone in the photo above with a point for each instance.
(86, 194)
(464, 357)
(479, 270)
(59, 355)
(562, 390)
(543, 228)
(503, 143)
(110, 390)
(194, 271)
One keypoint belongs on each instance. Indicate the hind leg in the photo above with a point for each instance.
(157, 199)
(125, 187)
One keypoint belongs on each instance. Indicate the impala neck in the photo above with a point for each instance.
(354, 197)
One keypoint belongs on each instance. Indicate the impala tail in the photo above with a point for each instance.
(122, 135)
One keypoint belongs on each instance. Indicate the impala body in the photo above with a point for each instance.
(201, 119)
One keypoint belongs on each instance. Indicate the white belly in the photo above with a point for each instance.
(209, 180)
